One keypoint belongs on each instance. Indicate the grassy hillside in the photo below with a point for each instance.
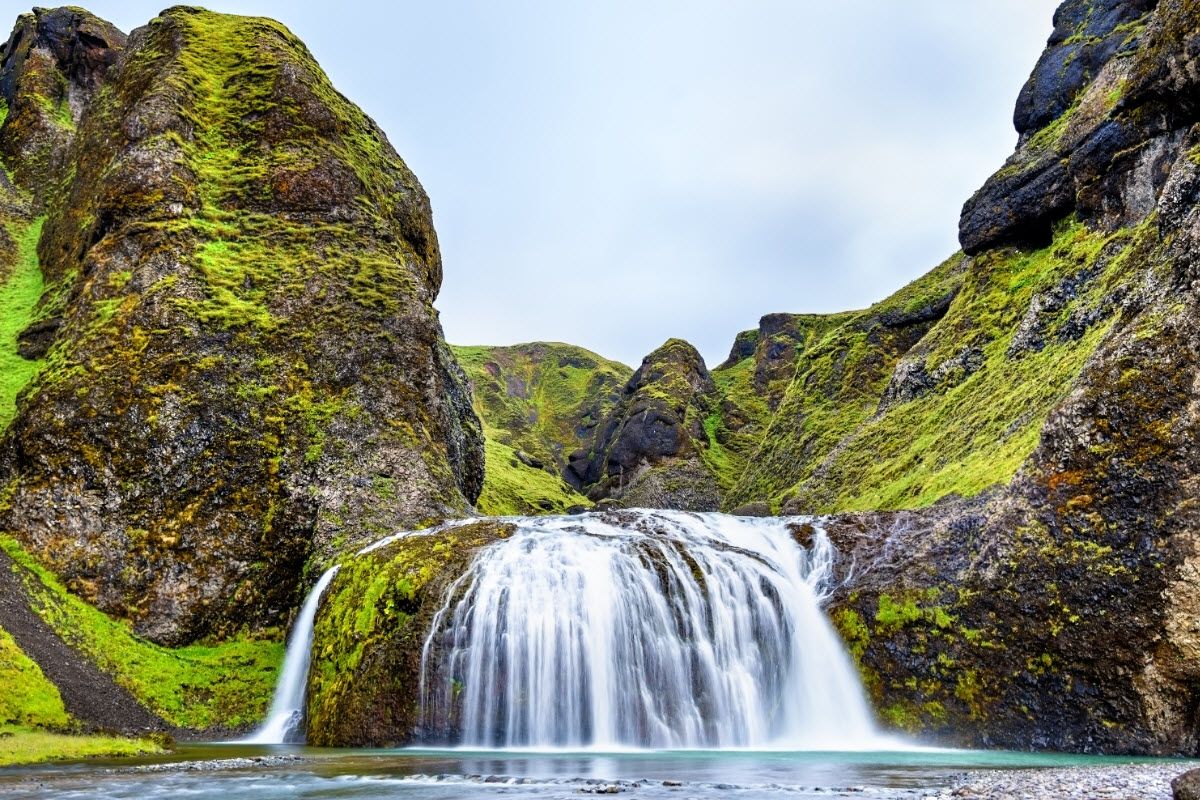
(513, 488)
(868, 426)
(199, 686)
(541, 398)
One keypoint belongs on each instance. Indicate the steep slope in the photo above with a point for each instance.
(1059, 611)
(241, 364)
(543, 398)
(538, 403)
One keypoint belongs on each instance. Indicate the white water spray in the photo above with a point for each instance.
(675, 630)
(285, 722)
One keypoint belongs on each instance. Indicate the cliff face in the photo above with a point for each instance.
(239, 364)
(650, 450)
(1059, 610)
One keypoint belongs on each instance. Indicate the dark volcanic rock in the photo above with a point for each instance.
(647, 451)
(50, 68)
(1087, 33)
(752, 510)
(1101, 121)
(743, 347)
(1186, 786)
(244, 367)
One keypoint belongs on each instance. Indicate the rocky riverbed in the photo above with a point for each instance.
(1123, 782)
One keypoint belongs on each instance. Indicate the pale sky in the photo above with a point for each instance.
(617, 172)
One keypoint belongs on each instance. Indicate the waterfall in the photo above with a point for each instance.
(651, 629)
(285, 722)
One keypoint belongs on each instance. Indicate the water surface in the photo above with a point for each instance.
(446, 774)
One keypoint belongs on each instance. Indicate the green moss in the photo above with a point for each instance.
(28, 698)
(199, 686)
(19, 293)
(968, 432)
(366, 624)
(28, 746)
(541, 399)
(510, 488)
(854, 631)
(902, 717)
(912, 608)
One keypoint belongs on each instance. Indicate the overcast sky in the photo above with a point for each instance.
(614, 173)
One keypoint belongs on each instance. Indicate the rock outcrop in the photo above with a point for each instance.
(50, 68)
(650, 450)
(242, 368)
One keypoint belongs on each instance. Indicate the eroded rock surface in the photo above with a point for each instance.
(243, 367)
(648, 450)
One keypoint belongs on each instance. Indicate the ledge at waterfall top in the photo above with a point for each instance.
(610, 630)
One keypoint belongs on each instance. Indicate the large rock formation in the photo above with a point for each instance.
(650, 450)
(243, 367)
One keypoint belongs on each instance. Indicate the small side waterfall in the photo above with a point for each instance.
(674, 630)
(284, 723)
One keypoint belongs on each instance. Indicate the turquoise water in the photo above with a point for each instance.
(445, 774)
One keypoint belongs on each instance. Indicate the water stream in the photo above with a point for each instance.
(670, 630)
(285, 721)
(681, 655)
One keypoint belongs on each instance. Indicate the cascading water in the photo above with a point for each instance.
(284, 724)
(670, 630)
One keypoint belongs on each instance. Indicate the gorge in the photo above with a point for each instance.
(963, 517)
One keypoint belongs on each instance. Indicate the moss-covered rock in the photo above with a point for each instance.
(28, 698)
(538, 403)
(243, 367)
(50, 68)
(842, 366)
(364, 683)
(649, 450)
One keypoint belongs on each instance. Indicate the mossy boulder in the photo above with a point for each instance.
(243, 366)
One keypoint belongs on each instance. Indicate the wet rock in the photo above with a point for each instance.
(752, 510)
